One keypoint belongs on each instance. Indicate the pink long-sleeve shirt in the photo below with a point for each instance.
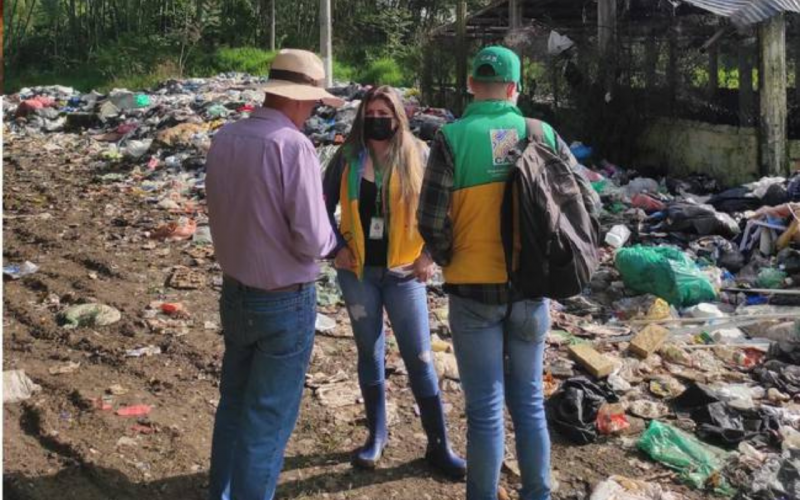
(265, 205)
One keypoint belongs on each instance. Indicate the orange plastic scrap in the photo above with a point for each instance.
(134, 411)
(174, 231)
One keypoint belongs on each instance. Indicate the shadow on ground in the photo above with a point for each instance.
(92, 482)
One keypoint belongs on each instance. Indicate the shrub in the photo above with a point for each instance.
(383, 71)
(243, 59)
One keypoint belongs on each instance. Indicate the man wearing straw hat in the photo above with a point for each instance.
(269, 226)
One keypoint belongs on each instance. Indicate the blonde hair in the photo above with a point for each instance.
(405, 151)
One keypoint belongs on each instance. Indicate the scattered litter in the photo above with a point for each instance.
(17, 386)
(117, 390)
(698, 464)
(573, 410)
(134, 411)
(64, 369)
(150, 350)
(623, 488)
(324, 323)
(16, 272)
(89, 315)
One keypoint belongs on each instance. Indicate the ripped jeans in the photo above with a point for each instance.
(406, 303)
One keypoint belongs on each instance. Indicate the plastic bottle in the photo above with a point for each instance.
(618, 236)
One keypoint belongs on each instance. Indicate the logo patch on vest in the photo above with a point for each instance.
(503, 142)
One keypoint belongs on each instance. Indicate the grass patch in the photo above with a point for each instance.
(383, 71)
(243, 59)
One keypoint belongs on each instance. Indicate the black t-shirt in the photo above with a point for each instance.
(376, 250)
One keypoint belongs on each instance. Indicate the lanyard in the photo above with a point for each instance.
(378, 170)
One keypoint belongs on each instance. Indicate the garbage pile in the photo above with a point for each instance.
(684, 349)
(690, 333)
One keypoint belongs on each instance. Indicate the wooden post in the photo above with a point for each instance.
(325, 43)
(713, 70)
(746, 96)
(461, 55)
(772, 96)
(651, 61)
(606, 40)
(672, 71)
(272, 26)
(514, 14)
(426, 85)
(796, 71)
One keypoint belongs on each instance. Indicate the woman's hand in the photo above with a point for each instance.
(424, 267)
(344, 260)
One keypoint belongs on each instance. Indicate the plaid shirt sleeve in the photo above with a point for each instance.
(433, 214)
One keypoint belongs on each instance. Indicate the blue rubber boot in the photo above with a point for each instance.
(439, 454)
(375, 404)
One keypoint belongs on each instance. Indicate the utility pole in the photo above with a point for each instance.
(325, 44)
(272, 26)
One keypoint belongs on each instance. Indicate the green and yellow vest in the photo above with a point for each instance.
(481, 142)
(404, 246)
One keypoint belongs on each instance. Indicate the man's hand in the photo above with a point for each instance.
(344, 260)
(424, 267)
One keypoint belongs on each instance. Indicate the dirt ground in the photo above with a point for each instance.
(93, 247)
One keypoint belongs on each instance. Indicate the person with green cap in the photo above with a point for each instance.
(498, 337)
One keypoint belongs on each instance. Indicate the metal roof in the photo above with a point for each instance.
(747, 12)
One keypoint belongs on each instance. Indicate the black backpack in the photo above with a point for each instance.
(549, 236)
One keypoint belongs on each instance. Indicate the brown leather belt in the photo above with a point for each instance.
(291, 288)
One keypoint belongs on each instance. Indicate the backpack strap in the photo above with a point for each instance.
(542, 133)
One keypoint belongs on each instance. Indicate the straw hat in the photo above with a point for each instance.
(299, 75)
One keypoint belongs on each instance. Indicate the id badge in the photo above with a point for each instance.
(376, 228)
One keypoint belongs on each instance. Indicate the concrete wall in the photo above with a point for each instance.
(727, 153)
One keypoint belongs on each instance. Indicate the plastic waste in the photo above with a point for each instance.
(770, 278)
(624, 488)
(202, 236)
(641, 185)
(665, 272)
(142, 100)
(136, 149)
(704, 310)
(647, 203)
(650, 410)
(135, 411)
(611, 419)
(698, 464)
(17, 386)
(15, 271)
(324, 323)
(150, 350)
(778, 478)
(700, 219)
(618, 236)
(91, 315)
(574, 408)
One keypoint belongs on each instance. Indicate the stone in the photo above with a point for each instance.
(598, 365)
(446, 365)
(648, 340)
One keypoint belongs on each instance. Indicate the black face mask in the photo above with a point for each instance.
(378, 128)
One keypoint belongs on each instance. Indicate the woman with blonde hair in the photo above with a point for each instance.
(381, 264)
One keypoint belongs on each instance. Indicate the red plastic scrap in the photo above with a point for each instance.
(134, 411)
(143, 429)
(647, 203)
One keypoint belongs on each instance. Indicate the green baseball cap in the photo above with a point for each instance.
(497, 64)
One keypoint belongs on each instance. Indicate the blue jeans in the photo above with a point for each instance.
(268, 342)
(406, 302)
(488, 380)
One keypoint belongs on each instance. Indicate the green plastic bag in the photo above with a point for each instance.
(142, 100)
(699, 464)
(769, 277)
(665, 272)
